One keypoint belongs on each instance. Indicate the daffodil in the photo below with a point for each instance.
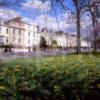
(2, 87)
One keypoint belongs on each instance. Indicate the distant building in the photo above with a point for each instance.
(98, 35)
(22, 34)
(85, 43)
(60, 39)
(71, 40)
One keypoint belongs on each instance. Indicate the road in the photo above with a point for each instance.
(11, 56)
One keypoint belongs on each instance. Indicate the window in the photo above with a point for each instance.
(14, 39)
(33, 34)
(7, 40)
(19, 40)
(19, 24)
(13, 31)
(28, 27)
(28, 41)
(7, 31)
(33, 40)
(29, 34)
(19, 32)
(0, 29)
(1, 39)
(42, 30)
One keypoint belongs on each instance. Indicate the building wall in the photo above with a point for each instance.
(4, 35)
(85, 44)
(71, 41)
(24, 35)
(61, 40)
(21, 33)
(31, 37)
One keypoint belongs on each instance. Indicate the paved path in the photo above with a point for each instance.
(11, 56)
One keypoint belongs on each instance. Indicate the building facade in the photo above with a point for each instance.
(4, 35)
(23, 35)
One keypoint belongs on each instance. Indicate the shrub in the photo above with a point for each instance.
(7, 48)
(75, 77)
(43, 43)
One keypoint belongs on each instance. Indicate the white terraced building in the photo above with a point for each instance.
(21, 34)
(24, 36)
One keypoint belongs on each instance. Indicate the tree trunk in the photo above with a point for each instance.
(78, 33)
(95, 34)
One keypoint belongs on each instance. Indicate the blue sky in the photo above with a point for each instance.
(41, 13)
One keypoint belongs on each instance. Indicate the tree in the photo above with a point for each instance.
(93, 8)
(79, 10)
(7, 48)
(43, 43)
(54, 43)
(79, 7)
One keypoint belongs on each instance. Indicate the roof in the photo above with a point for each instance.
(17, 19)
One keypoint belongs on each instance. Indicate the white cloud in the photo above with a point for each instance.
(8, 14)
(50, 22)
(37, 4)
(69, 26)
(28, 20)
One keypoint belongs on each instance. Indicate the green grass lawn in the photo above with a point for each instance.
(72, 77)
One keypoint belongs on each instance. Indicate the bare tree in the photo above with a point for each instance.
(43, 43)
(79, 7)
(79, 10)
(82, 6)
(93, 8)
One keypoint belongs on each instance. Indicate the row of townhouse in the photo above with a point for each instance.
(19, 34)
(26, 36)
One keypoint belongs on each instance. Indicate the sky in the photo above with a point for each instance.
(43, 14)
